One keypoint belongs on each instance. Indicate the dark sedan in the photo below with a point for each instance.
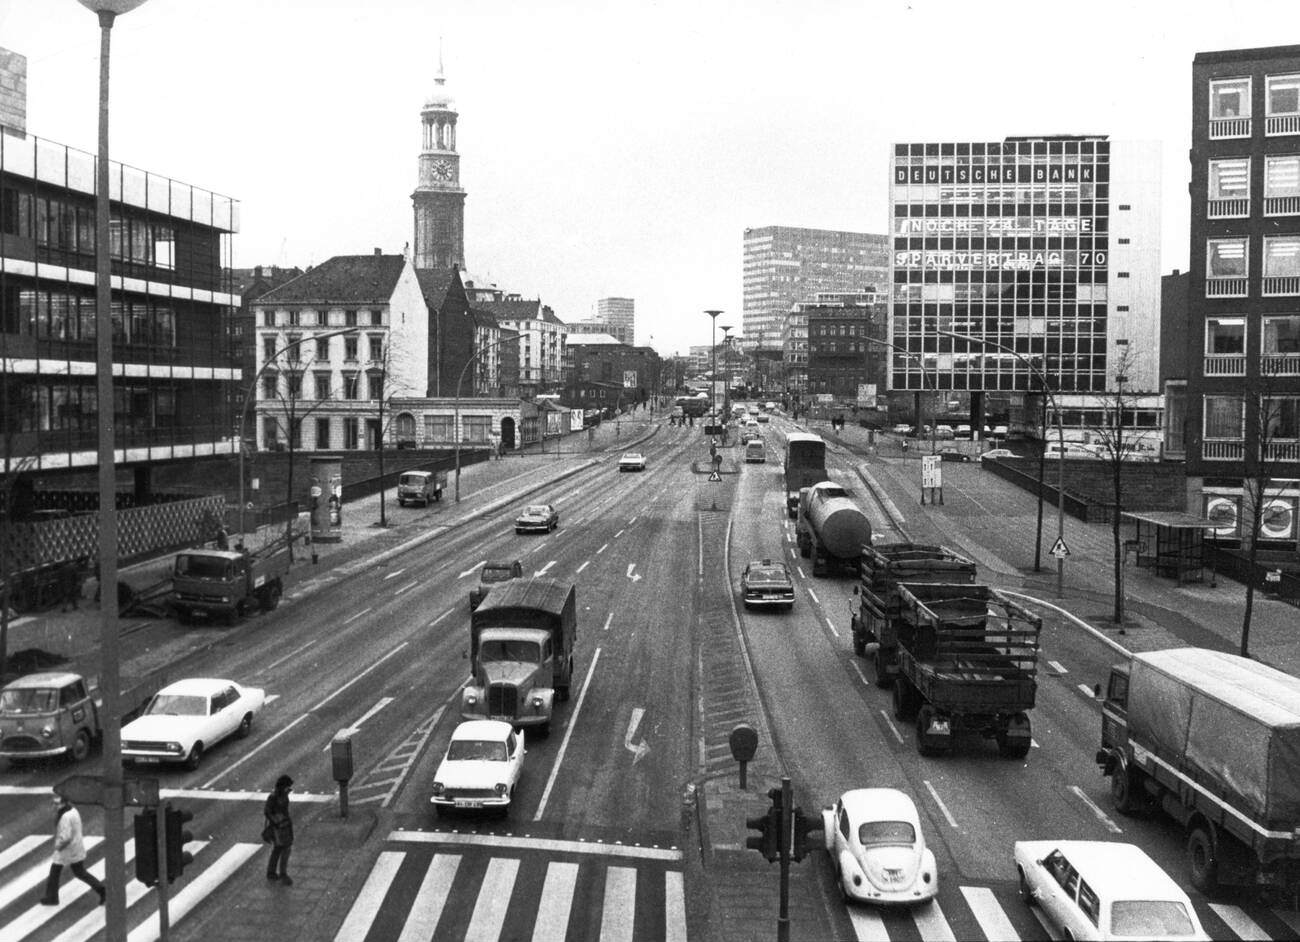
(767, 583)
(953, 454)
(537, 518)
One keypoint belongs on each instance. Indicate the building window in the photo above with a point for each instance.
(375, 385)
(268, 318)
(351, 385)
(270, 433)
(1229, 188)
(476, 428)
(437, 428)
(1230, 108)
(1280, 417)
(322, 433)
(1223, 427)
(376, 318)
(1281, 346)
(268, 349)
(1282, 185)
(351, 433)
(350, 319)
(270, 386)
(1282, 104)
(322, 385)
(295, 434)
(293, 347)
(295, 317)
(1282, 265)
(294, 381)
(376, 349)
(323, 349)
(1225, 268)
(350, 348)
(1225, 346)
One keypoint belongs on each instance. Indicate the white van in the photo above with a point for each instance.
(420, 487)
(755, 451)
(1069, 450)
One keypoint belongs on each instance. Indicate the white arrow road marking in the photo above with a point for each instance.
(470, 572)
(1056, 666)
(542, 571)
(630, 567)
(383, 702)
(640, 749)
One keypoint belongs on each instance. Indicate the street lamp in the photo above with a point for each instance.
(713, 378)
(110, 680)
(248, 396)
(1060, 437)
(460, 379)
(726, 369)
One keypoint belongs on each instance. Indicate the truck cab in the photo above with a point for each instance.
(420, 487)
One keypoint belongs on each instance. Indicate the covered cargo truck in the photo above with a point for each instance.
(521, 652)
(831, 529)
(883, 567)
(1213, 741)
(967, 660)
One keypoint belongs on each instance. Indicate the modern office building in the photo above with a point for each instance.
(1044, 252)
(784, 265)
(439, 199)
(620, 316)
(1243, 389)
(177, 377)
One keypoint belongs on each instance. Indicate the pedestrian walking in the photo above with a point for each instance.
(279, 831)
(69, 851)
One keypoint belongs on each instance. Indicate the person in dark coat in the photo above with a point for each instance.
(279, 830)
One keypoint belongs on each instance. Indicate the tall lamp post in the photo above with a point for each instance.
(110, 680)
(726, 370)
(1060, 437)
(248, 397)
(713, 377)
(455, 431)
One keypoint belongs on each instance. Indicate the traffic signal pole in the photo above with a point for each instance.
(784, 835)
(164, 918)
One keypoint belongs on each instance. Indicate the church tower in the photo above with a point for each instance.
(439, 198)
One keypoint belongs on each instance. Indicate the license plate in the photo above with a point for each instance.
(468, 803)
(147, 760)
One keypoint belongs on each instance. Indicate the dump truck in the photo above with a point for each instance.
(830, 528)
(882, 567)
(228, 584)
(967, 660)
(58, 713)
(1213, 741)
(521, 652)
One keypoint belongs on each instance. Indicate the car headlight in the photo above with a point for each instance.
(174, 747)
(438, 788)
(225, 600)
(501, 789)
(47, 731)
(537, 703)
(471, 698)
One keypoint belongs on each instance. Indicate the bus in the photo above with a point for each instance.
(805, 465)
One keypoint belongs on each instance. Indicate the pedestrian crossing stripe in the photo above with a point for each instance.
(510, 841)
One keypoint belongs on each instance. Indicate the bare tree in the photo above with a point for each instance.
(294, 409)
(12, 468)
(388, 388)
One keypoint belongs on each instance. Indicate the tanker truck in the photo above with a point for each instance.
(830, 529)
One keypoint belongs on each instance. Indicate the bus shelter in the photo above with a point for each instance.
(1171, 543)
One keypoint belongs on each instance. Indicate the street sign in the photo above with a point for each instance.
(714, 477)
(931, 473)
(81, 789)
(140, 791)
(1059, 549)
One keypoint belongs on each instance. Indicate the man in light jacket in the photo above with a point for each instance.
(70, 850)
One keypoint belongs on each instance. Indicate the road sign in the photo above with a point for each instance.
(1059, 549)
(715, 477)
(81, 789)
(931, 471)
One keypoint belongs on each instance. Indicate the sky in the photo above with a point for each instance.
(610, 149)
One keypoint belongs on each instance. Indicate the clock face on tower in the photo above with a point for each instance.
(442, 170)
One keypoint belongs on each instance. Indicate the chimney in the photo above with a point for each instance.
(379, 251)
(257, 272)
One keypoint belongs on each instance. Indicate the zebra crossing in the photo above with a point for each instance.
(442, 885)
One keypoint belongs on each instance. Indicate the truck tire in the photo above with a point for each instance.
(80, 747)
(1202, 860)
(923, 718)
(1125, 792)
(904, 703)
(804, 549)
(271, 596)
(883, 678)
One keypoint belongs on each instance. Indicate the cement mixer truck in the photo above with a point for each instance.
(830, 529)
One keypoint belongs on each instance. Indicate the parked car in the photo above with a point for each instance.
(632, 461)
(481, 768)
(962, 431)
(1103, 890)
(952, 453)
(995, 453)
(767, 583)
(755, 450)
(490, 575)
(189, 717)
(537, 518)
(876, 845)
(943, 431)
(764, 417)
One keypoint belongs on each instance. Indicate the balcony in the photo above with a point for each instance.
(1276, 125)
(1282, 286)
(1226, 365)
(1225, 287)
(1222, 450)
(1229, 209)
(1279, 364)
(1223, 128)
(1282, 451)
(1281, 205)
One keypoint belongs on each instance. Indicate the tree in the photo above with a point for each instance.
(12, 467)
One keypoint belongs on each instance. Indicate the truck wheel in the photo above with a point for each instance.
(80, 746)
(904, 705)
(1202, 860)
(1122, 791)
(923, 718)
(804, 549)
(241, 608)
(1010, 748)
(883, 678)
(195, 757)
(271, 601)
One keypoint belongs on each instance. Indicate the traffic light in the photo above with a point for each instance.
(765, 841)
(800, 827)
(177, 837)
(146, 847)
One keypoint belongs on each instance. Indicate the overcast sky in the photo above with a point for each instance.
(610, 148)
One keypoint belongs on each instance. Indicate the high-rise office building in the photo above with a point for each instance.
(784, 265)
(619, 314)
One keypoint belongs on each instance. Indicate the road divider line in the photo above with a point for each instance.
(383, 702)
(568, 732)
(619, 533)
(294, 653)
(602, 549)
(348, 621)
(409, 585)
(395, 573)
(1086, 691)
(358, 677)
(471, 571)
(248, 755)
(1058, 667)
(1101, 815)
(608, 619)
(632, 521)
(890, 723)
(584, 565)
(441, 617)
(813, 594)
(942, 807)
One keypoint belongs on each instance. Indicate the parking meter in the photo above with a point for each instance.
(341, 758)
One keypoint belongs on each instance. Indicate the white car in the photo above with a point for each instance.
(902, 428)
(632, 461)
(997, 453)
(874, 838)
(481, 768)
(1103, 890)
(185, 719)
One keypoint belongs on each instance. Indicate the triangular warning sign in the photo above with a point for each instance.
(1059, 549)
(715, 476)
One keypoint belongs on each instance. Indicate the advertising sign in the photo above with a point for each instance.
(629, 379)
(1222, 511)
(326, 499)
(1277, 522)
(931, 471)
(867, 395)
(575, 420)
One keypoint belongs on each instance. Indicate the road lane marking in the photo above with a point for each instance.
(583, 566)
(632, 521)
(640, 749)
(349, 621)
(619, 533)
(248, 755)
(543, 570)
(568, 732)
(515, 842)
(358, 677)
(368, 901)
(383, 702)
(939, 801)
(890, 723)
(933, 924)
(634, 578)
(197, 890)
(441, 617)
(1057, 666)
(989, 914)
(409, 585)
(34, 876)
(602, 549)
(1239, 922)
(294, 653)
(867, 925)
(495, 889)
(608, 618)
(1101, 815)
(552, 922)
(674, 907)
(813, 594)
(618, 911)
(394, 574)
(470, 572)
(422, 921)
(1086, 691)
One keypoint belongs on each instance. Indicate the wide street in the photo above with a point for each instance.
(602, 839)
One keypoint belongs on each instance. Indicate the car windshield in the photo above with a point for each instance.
(526, 651)
(179, 704)
(497, 573)
(1150, 919)
(202, 567)
(631, 456)
(537, 510)
(412, 480)
(35, 700)
(476, 750)
(882, 833)
(768, 575)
